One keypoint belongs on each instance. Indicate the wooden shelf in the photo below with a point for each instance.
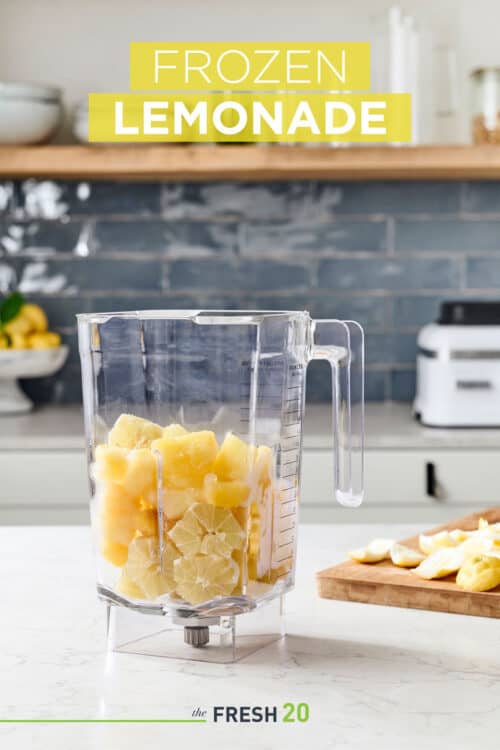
(236, 162)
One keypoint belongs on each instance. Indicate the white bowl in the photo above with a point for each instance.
(25, 363)
(29, 113)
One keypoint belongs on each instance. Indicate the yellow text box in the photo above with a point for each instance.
(248, 66)
(292, 118)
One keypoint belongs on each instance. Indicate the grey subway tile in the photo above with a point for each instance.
(453, 235)
(341, 235)
(172, 238)
(391, 348)
(240, 200)
(109, 197)
(389, 197)
(61, 309)
(388, 273)
(483, 273)
(87, 274)
(39, 238)
(236, 275)
(402, 385)
(413, 312)
(482, 197)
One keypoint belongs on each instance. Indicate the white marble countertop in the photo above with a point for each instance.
(388, 426)
(374, 677)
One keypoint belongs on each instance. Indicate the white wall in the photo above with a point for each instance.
(83, 45)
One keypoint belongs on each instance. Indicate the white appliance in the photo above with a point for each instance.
(458, 367)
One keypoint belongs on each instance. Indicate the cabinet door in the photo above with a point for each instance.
(423, 478)
(36, 479)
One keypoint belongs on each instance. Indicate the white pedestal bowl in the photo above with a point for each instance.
(25, 363)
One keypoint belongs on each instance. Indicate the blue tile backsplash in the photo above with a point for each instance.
(385, 254)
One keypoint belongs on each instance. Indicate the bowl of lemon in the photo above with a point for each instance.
(27, 350)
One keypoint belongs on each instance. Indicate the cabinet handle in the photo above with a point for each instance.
(431, 481)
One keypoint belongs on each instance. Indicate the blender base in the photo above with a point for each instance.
(223, 639)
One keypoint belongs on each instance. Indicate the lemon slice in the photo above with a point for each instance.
(479, 573)
(223, 534)
(202, 577)
(405, 557)
(376, 551)
(430, 543)
(187, 534)
(209, 530)
(441, 563)
(143, 567)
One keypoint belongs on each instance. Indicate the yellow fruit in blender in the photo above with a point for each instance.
(233, 459)
(202, 577)
(208, 530)
(114, 553)
(174, 430)
(225, 494)
(36, 317)
(118, 515)
(187, 458)
(140, 475)
(128, 588)
(111, 463)
(154, 577)
(176, 502)
(263, 465)
(133, 432)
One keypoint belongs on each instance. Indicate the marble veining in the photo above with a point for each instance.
(373, 676)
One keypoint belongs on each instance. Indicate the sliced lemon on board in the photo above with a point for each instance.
(441, 563)
(430, 543)
(145, 570)
(479, 573)
(376, 551)
(405, 557)
(202, 577)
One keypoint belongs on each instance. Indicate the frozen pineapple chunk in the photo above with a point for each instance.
(176, 502)
(263, 465)
(118, 517)
(479, 573)
(127, 587)
(174, 430)
(114, 553)
(233, 459)
(133, 432)
(187, 458)
(111, 463)
(230, 494)
(140, 476)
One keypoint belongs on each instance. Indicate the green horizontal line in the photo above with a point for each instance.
(103, 721)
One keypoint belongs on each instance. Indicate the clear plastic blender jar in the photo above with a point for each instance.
(194, 433)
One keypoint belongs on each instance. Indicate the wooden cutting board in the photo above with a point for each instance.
(384, 583)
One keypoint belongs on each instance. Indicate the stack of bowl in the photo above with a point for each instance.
(29, 112)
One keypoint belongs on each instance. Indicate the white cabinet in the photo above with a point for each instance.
(43, 487)
(405, 484)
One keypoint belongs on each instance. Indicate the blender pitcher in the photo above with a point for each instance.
(194, 433)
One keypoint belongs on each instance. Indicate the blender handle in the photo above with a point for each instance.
(341, 343)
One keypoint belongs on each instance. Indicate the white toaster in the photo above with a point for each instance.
(458, 367)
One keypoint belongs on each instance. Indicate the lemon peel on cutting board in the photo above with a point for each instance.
(376, 551)
(479, 573)
(405, 557)
(443, 562)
